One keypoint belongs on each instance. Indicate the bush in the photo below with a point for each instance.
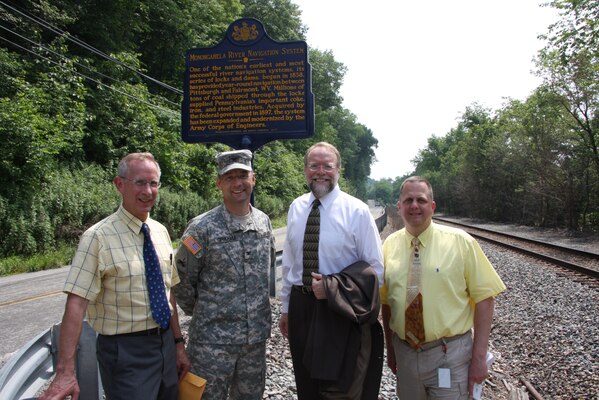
(77, 199)
(68, 202)
(175, 209)
(270, 205)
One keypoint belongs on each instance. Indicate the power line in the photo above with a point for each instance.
(91, 79)
(86, 46)
(67, 58)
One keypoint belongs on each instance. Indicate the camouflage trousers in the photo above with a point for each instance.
(232, 371)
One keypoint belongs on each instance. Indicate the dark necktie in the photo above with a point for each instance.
(160, 310)
(311, 237)
(414, 317)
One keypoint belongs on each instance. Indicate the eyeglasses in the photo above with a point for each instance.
(140, 183)
(327, 167)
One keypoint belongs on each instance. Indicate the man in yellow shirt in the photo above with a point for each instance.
(456, 286)
(141, 353)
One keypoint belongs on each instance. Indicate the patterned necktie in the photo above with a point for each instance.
(160, 310)
(414, 319)
(311, 237)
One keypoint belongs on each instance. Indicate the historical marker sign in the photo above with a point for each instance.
(247, 90)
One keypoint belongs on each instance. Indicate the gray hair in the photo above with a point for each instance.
(123, 167)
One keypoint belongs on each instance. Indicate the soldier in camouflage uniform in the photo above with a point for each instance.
(224, 262)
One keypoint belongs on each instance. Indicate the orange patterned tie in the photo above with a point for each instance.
(414, 319)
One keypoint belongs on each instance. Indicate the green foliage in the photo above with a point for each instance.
(279, 174)
(41, 126)
(12, 73)
(78, 198)
(281, 18)
(69, 112)
(175, 210)
(269, 204)
(525, 164)
(53, 258)
(382, 191)
(569, 66)
(327, 78)
(67, 203)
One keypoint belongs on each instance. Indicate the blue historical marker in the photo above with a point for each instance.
(248, 90)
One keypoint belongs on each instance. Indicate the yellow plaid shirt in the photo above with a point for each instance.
(108, 270)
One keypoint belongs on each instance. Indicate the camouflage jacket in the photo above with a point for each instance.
(224, 267)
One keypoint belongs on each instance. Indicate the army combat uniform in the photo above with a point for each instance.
(224, 264)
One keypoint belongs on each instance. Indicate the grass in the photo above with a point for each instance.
(64, 253)
(51, 259)
(279, 222)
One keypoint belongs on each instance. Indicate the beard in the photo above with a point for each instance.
(321, 189)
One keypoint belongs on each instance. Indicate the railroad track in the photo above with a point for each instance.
(580, 265)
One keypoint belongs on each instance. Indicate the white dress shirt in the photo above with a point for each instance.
(348, 234)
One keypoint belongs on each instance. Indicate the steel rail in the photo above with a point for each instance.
(556, 261)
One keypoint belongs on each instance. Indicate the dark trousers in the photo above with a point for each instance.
(301, 309)
(138, 367)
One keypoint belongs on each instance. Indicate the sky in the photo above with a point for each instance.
(414, 66)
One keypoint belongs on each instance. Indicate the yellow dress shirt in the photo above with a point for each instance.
(108, 270)
(455, 276)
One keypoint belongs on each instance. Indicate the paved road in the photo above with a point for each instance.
(29, 304)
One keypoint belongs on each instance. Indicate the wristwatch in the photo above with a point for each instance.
(180, 339)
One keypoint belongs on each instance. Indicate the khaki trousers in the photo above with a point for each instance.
(417, 371)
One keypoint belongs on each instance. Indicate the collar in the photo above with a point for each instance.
(130, 220)
(425, 237)
(234, 225)
(327, 199)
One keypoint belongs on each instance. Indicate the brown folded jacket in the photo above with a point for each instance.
(334, 337)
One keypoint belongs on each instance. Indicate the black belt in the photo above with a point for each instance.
(158, 331)
(302, 289)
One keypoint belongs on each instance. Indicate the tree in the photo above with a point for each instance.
(569, 65)
(382, 191)
(327, 78)
(281, 18)
(539, 147)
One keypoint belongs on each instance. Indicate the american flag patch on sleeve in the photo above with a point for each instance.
(191, 244)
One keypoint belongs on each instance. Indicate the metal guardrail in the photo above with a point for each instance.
(381, 221)
(27, 371)
(33, 365)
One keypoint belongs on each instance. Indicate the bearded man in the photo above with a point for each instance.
(332, 266)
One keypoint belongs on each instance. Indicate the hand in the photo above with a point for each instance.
(183, 363)
(284, 324)
(318, 286)
(477, 372)
(62, 386)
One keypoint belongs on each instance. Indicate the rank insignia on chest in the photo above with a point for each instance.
(191, 244)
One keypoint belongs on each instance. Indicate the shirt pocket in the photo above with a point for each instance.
(332, 244)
